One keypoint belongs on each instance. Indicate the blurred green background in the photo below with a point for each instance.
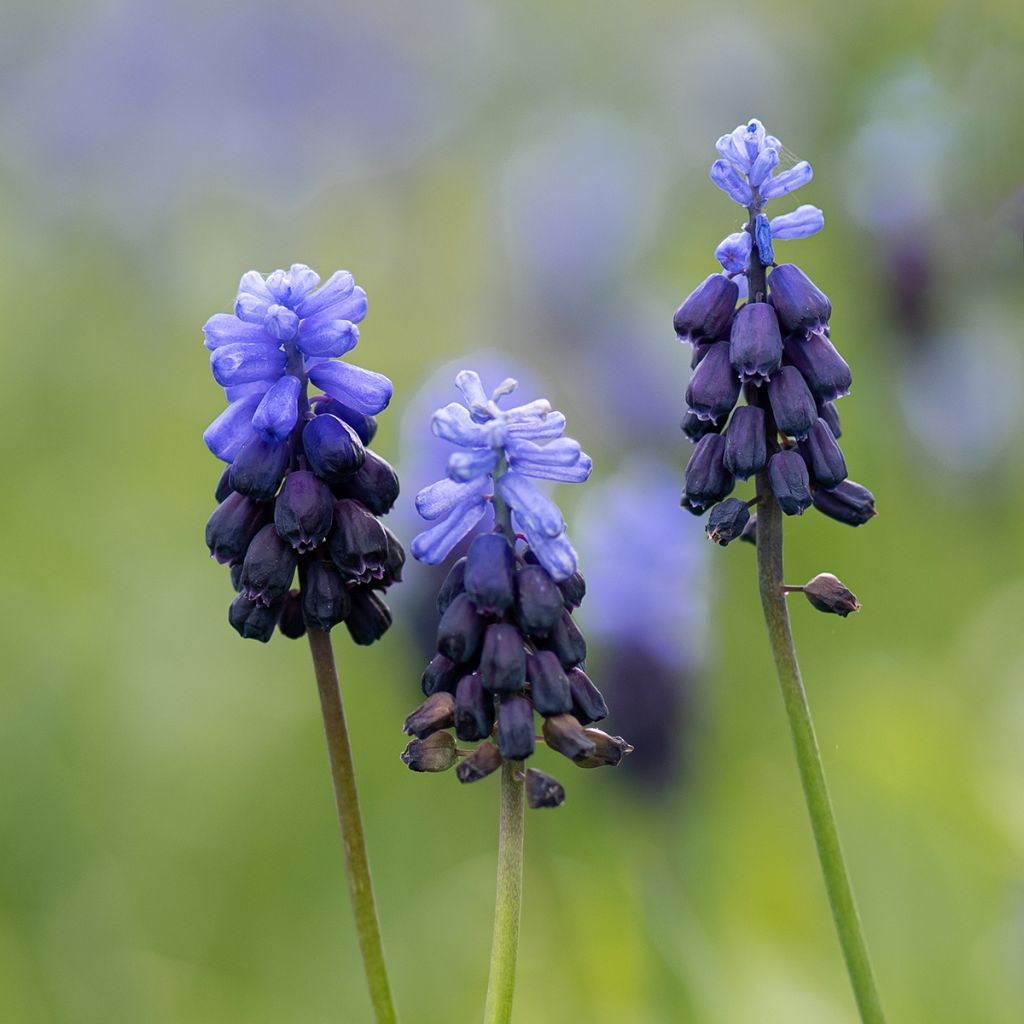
(531, 178)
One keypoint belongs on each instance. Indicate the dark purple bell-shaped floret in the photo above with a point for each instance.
(755, 343)
(436, 712)
(304, 510)
(787, 474)
(503, 660)
(234, 523)
(727, 521)
(822, 367)
(849, 503)
(253, 620)
(365, 426)
(800, 306)
(332, 448)
(515, 728)
(478, 765)
(587, 703)
(292, 623)
(369, 618)
(375, 484)
(357, 543)
(573, 589)
(549, 685)
(224, 487)
(269, 567)
(823, 456)
(827, 412)
(745, 448)
(474, 709)
(490, 567)
(454, 584)
(394, 565)
(566, 642)
(325, 598)
(441, 674)
(539, 601)
(259, 468)
(695, 428)
(707, 480)
(792, 403)
(715, 385)
(707, 310)
(460, 630)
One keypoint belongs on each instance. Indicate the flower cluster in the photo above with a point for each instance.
(775, 348)
(507, 643)
(302, 490)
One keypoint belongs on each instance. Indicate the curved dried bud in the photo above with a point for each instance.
(608, 750)
(436, 712)
(542, 790)
(478, 765)
(565, 734)
(828, 594)
(434, 754)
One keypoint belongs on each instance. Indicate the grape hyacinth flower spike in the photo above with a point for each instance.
(776, 350)
(507, 646)
(302, 495)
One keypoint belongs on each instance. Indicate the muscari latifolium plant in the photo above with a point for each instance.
(776, 350)
(302, 495)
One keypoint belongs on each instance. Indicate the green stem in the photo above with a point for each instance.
(346, 799)
(808, 757)
(509, 897)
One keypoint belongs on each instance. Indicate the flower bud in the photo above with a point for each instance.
(755, 343)
(291, 622)
(542, 790)
(234, 523)
(434, 754)
(375, 484)
(828, 594)
(369, 617)
(357, 543)
(707, 310)
(715, 385)
(440, 674)
(224, 487)
(849, 503)
(608, 750)
(503, 661)
(823, 456)
(573, 589)
(707, 480)
(700, 350)
(827, 412)
(332, 448)
(745, 449)
(325, 598)
(253, 619)
(478, 765)
(304, 510)
(564, 734)
(695, 428)
(364, 426)
(800, 306)
(822, 367)
(460, 630)
(539, 602)
(515, 728)
(436, 712)
(394, 564)
(749, 533)
(259, 467)
(566, 641)
(727, 521)
(454, 584)
(587, 703)
(549, 686)
(474, 709)
(268, 568)
(792, 403)
(787, 474)
(489, 570)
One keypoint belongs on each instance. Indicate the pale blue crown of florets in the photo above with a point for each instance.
(748, 174)
(284, 333)
(503, 442)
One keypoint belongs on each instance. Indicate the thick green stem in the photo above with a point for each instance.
(808, 757)
(346, 798)
(509, 897)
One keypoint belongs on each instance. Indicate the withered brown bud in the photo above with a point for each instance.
(434, 754)
(608, 750)
(828, 594)
(565, 734)
(436, 712)
(484, 760)
(542, 790)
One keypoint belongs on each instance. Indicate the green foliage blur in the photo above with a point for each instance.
(168, 849)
